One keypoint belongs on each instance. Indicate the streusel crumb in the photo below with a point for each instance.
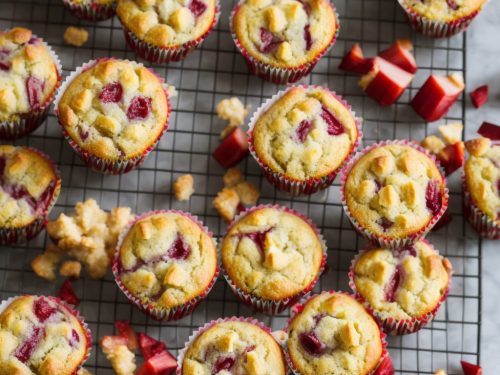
(232, 177)
(75, 36)
(226, 203)
(44, 265)
(183, 187)
(121, 358)
(433, 144)
(234, 111)
(249, 194)
(71, 268)
(451, 133)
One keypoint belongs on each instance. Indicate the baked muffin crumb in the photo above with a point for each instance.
(183, 187)
(451, 133)
(433, 143)
(121, 358)
(232, 177)
(44, 265)
(234, 111)
(226, 203)
(249, 194)
(75, 36)
(71, 268)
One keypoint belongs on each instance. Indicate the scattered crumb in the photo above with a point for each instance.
(71, 268)
(232, 110)
(121, 358)
(248, 193)
(433, 144)
(233, 176)
(226, 203)
(451, 133)
(44, 265)
(75, 36)
(172, 91)
(183, 187)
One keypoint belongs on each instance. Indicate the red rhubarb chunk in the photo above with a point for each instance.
(392, 285)
(149, 346)
(311, 343)
(400, 54)
(197, 7)
(179, 249)
(4, 65)
(223, 363)
(433, 196)
(25, 350)
(259, 238)
(385, 367)
(490, 131)
(268, 41)
(67, 294)
(111, 93)
(303, 130)
(385, 223)
(43, 310)
(34, 88)
(452, 157)
(307, 37)
(452, 4)
(479, 96)
(470, 369)
(160, 364)
(139, 108)
(232, 149)
(125, 330)
(334, 126)
(355, 62)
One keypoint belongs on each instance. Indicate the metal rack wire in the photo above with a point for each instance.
(214, 72)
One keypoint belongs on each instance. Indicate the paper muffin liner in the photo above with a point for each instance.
(267, 306)
(481, 222)
(102, 165)
(88, 334)
(91, 11)
(280, 180)
(386, 241)
(298, 308)
(276, 74)
(204, 328)
(158, 313)
(23, 124)
(22, 234)
(393, 326)
(157, 54)
(434, 28)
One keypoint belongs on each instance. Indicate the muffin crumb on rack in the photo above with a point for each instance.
(75, 36)
(183, 187)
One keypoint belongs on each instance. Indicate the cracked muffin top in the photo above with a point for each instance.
(306, 133)
(394, 190)
(444, 10)
(114, 109)
(41, 336)
(167, 23)
(272, 252)
(234, 347)
(284, 33)
(28, 73)
(166, 259)
(28, 183)
(402, 283)
(334, 334)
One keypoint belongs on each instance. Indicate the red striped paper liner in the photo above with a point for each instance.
(387, 241)
(393, 326)
(102, 165)
(22, 234)
(91, 11)
(298, 308)
(280, 180)
(266, 306)
(204, 328)
(158, 313)
(275, 74)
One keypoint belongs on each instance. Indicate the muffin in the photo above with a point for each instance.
(232, 346)
(441, 18)
(29, 77)
(166, 30)
(282, 40)
(394, 193)
(91, 10)
(404, 287)
(29, 187)
(302, 137)
(332, 333)
(41, 335)
(272, 256)
(113, 112)
(481, 186)
(166, 263)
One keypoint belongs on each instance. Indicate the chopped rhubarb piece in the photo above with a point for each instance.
(259, 238)
(470, 369)
(125, 330)
(160, 364)
(303, 130)
(385, 82)
(489, 130)
(149, 346)
(225, 362)
(67, 294)
(479, 96)
(452, 157)
(42, 309)
(4, 65)
(197, 7)
(334, 125)
(355, 62)
(34, 88)
(232, 149)
(179, 249)
(269, 42)
(109, 343)
(111, 93)
(27, 347)
(399, 53)
(311, 343)
(444, 221)
(436, 96)
(307, 37)
(385, 367)
(139, 108)
(452, 4)
(433, 196)
(385, 223)
(392, 285)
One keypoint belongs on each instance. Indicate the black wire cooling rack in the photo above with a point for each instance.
(214, 72)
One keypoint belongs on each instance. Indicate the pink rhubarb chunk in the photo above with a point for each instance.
(399, 53)
(355, 62)
(479, 96)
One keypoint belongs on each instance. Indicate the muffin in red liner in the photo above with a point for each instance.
(162, 34)
(282, 42)
(441, 18)
(393, 192)
(113, 113)
(237, 344)
(404, 288)
(166, 263)
(329, 324)
(272, 256)
(26, 59)
(29, 187)
(91, 10)
(40, 333)
(302, 137)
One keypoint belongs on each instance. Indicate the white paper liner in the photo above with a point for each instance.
(91, 11)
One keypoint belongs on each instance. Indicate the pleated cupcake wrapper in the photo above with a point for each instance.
(91, 11)
(159, 55)
(207, 326)
(275, 74)
(88, 334)
(390, 325)
(158, 313)
(386, 241)
(481, 222)
(267, 306)
(10, 236)
(23, 124)
(298, 308)
(102, 165)
(283, 182)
